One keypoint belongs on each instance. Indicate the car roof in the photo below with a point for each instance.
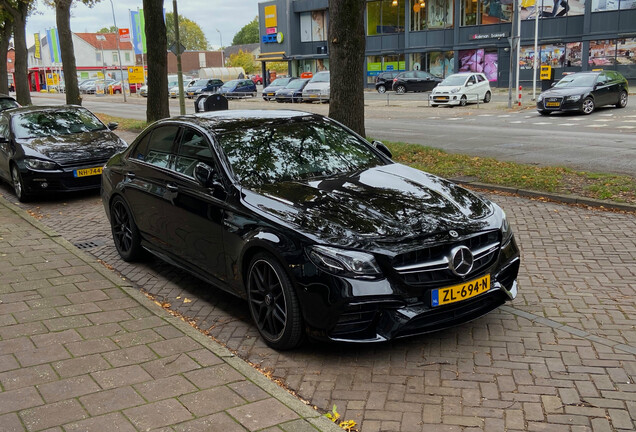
(216, 118)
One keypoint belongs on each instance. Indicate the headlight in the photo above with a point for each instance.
(324, 91)
(455, 90)
(540, 98)
(506, 231)
(344, 262)
(574, 98)
(39, 164)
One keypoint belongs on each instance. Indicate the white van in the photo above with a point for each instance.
(318, 88)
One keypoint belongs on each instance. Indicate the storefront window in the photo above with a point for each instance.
(438, 63)
(313, 26)
(431, 14)
(552, 8)
(377, 64)
(602, 53)
(312, 65)
(385, 17)
(626, 51)
(479, 60)
(485, 12)
(557, 55)
(610, 5)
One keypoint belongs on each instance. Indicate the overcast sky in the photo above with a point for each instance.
(225, 15)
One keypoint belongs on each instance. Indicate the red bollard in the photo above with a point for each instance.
(520, 95)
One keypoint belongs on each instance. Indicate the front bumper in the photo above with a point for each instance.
(62, 180)
(375, 311)
(445, 99)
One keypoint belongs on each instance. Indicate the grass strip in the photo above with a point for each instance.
(124, 123)
(561, 180)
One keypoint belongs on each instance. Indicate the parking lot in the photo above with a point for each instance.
(561, 357)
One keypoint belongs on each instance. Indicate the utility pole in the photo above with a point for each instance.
(221, 36)
(121, 69)
(177, 44)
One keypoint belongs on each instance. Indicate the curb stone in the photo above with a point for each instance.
(305, 412)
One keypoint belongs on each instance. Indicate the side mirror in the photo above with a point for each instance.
(469, 84)
(206, 176)
(553, 84)
(112, 125)
(384, 149)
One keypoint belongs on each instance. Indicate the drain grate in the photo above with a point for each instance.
(88, 244)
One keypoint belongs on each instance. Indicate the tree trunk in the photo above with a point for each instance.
(5, 35)
(346, 62)
(19, 13)
(63, 19)
(155, 28)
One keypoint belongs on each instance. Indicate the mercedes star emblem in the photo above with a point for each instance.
(453, 233)
(461, 260)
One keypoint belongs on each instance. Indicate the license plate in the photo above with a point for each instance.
(270, 94)
(315, 96)
(87, 172)
(553, 104)
(460, 292)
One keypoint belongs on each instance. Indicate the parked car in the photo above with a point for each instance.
(292, 92)
(84, 85)
(460, 89)
(584, 91)
(143, 90)
(384, 81)
(91, 87)
(318, 88)
(54, 148)
(257, 79)
(318, 229)
(269, 92)
(7, 102)
(238, 88)
(187, 83)
(205, 85)
(415, 81)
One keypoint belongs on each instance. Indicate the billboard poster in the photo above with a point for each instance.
(626, 51)
(479, 60)
(138, 32)
(37, 53)
(602, 52)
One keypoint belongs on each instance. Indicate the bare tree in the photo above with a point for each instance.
(155, 28)
(19, 10)
(6, 27)
(346, 62)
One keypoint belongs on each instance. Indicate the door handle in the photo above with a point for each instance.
(130, 175)
(172, 187)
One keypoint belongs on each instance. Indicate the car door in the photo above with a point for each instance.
(428, 82)
(482, 86)
(5, 147)
(602, 90)
(197, 236)
(614, 87)
(147, 186)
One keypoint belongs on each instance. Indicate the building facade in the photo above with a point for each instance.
(447, 36)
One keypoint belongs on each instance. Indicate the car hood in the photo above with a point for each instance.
(65, 149)
(316, 85)
(382, 208)
(565, 91)
(446, 89)
(272, 88)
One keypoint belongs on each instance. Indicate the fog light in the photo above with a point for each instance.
(454, 97)
(44, 185)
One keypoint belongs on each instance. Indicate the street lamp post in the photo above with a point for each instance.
(121, 69)
(221, 36)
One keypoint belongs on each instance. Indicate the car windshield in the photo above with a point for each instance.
(6, 103)
(230, 84)
(290, 150)
(582, 80)
(55, 123)
(454, 80)
(280, 82)
(201, 83)
(295, 84)
(320, 77)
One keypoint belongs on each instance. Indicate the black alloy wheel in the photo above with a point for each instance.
(487, 97)
(381, 89)
(18, 184)
(463, 100)
(622, 100)
(588, 106)
(273, 303)
(125, 232)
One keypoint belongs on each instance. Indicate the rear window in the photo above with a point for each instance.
(6, 103)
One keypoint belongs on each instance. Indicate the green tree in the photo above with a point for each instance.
(243, 59)
(248, 34)
(155, 29)
(346, 41)
(6, 27)
(111, 29)
(19, 10)
(190, 34)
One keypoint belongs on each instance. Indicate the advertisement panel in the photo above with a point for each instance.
(479, 61)
(270, 16)
(135, 75)
(37, 54)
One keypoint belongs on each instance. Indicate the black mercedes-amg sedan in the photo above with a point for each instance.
(584, 92)
(321, 232)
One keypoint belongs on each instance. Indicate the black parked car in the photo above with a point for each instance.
(584, 91)
(384, 81)
(319, 230)
(7, 102)
(415, 81)
(292, 92)
(269, 92)
(56, 148)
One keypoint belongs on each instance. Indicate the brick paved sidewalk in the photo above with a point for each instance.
(81, 350)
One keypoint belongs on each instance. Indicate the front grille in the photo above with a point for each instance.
(78, 164)
(552, 102)
(429, 267)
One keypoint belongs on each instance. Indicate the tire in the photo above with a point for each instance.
(400, 89)
(125, 232)
(273, 303)
(279, 100)
(434, 105)
(487, 97)
(462, 100)
(381, 89)
(544, 112)
(587, 107)
(18, 185)
(622, 100)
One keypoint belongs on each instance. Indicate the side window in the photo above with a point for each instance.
(160, 145)
(194, 148)
(480, 78)
(4, 127)
(471, 80)
(602, 79)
